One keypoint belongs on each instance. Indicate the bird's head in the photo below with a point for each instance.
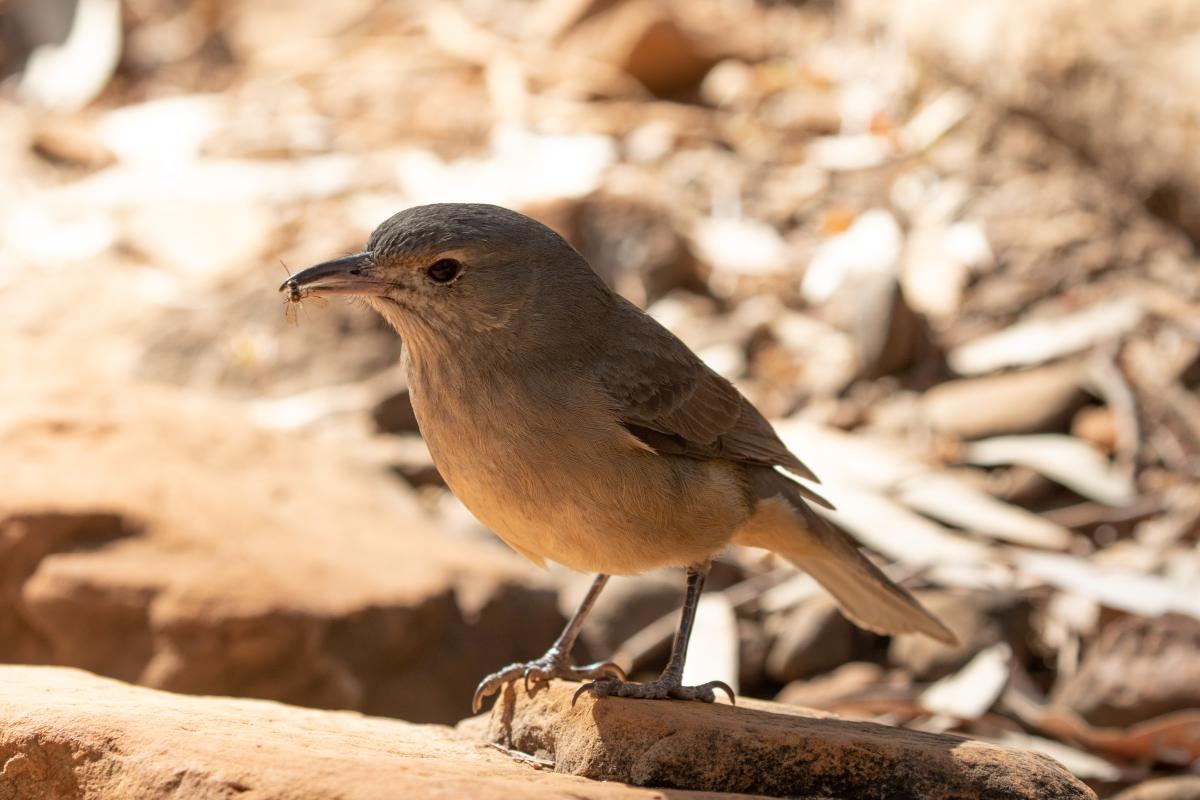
(451, 272)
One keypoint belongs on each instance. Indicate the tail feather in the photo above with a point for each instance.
(870, 599)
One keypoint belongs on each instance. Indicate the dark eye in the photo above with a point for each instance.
(444, 270)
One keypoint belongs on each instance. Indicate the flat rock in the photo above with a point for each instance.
(65, 733)
(765, 748)
(163, 539)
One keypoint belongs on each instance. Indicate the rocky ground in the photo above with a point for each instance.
(71, 734)
(950, 248)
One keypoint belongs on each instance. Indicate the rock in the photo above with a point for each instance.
(1184, 787)
(156, 537)
(764, 748)
(980, 618)
(1138, 669)
(815, 638)
(65, 733)
(1033, 401)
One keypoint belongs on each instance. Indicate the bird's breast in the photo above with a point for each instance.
(551, 470)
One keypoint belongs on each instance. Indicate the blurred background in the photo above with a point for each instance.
(949, 246)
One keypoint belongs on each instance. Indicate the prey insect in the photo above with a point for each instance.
(295, 299)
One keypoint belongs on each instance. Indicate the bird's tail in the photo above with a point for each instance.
(785, 524)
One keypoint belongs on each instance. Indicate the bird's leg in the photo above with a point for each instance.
(670, 683)
(556, 662)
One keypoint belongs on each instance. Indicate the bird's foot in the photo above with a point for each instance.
(661, 689)
(540, 671)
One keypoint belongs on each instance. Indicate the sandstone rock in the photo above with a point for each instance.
(980, 618)
(764, 748)
(1138, 669)
(155, 537)
(67, 734)
(1184, 787)
(1033, 401)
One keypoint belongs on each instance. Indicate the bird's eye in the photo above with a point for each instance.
(444, 270)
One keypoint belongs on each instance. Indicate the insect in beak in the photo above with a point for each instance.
(295, 297)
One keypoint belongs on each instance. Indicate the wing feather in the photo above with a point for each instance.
(670, 400)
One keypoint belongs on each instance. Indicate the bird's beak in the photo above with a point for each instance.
(349, 275)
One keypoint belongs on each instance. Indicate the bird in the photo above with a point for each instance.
(583, 432)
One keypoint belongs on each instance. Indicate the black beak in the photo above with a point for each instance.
(349, 275)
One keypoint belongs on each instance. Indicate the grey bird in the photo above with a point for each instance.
(583, 432)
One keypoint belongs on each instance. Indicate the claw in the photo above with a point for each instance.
(541, 672)
(539, 676)
(725, 688)
(584, 688)
(490, 685)
(477, 701)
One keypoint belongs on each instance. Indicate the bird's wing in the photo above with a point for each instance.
(671, 401)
